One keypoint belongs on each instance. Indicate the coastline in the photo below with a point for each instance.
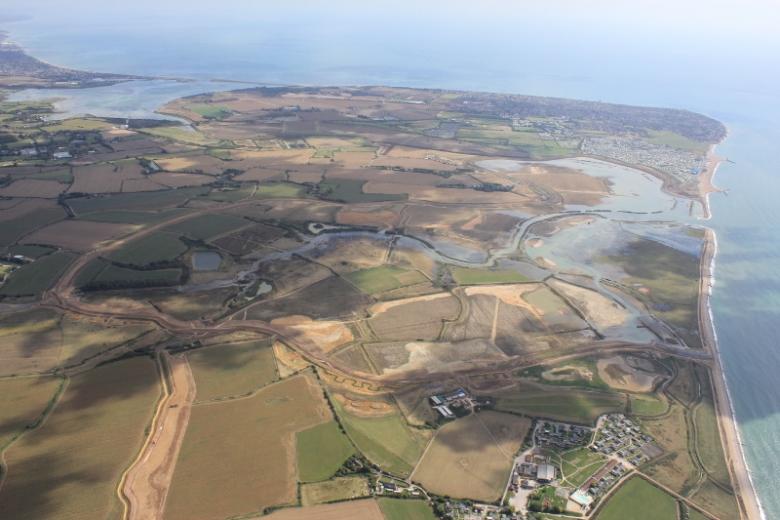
(747, 498)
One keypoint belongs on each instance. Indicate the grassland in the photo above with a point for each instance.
(400, 509)
(156, 200)
(237, 456)
(23, 400)
(210, 111)
(565, 404)
(385, 440)
(637, 499)
(34, 278)
(206, 227)
(472, 276)
(675, 140)
(131, 217)
(152, 249)
(115, 277)
(13, 229)
(472, 457)
(181, 134)
(579, 464)
(344, 488)
(384, 278)
(322, 450)
(647, 405)
(233, 369)
(30, 251)
(69, 467)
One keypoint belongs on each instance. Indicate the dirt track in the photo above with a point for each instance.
(145, 486)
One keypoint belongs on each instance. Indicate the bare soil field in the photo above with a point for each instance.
(200, 164)
(69, 467)
(421, 356)
(145, 485)
(602, 312)
(352, 510)
(215, 478)
(380, 217)
(328, 335)
(33, 188)
(414, 318)
(618, 373)
(471, 457)
(78, 235)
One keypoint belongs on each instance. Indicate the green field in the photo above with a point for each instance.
(386, 441)
(210, 111)
(158, 248)
(675, 140)
(647, 405)
(708, 441)
(565, 404)
(545, 500)
(279, 190)
(69, 467)
(322, 450)
(34, 278)
(181, 134)
(578, 465)
(131, 217)
(114, 277)
(343, 488)
(30, 251)
(384, 278)
(150, 200)
(350, 191)
(637, 499)
(471, 276)
(232, 369)
(402, 509)
(205, 227)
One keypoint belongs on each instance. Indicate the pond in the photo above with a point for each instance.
(206, 261)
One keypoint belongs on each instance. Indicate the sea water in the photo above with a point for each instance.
(694, 55)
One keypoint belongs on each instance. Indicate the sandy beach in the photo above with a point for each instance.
(750, 508)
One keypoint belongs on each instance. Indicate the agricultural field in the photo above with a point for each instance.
(564, 404)
(384, 278)
(233, 369)
(472, 457)
(342, 488)
(470, 276)
(639, 500)
(158, 248)
(32, 279)
(207, 227)
(399, 509)
(23, 403)
(321, 450)
(384, 438)
(351, 510)
(214, 477)
(69, 467)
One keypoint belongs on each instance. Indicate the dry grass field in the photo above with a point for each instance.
(238, 456)
(232, 369)
(352, 510)
(33, 188)
(342, 488)
(69, 468)
(22, 403)
(413, 319)
(471, 457)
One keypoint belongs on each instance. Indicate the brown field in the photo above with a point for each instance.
(20, 208)
(215, 478)
(411, 163)
(178, 180)
(356, 216)
(350, 254)
(104, 178)
(33, 188)
(78, 235)
(22, 401)
(144, 184)
(29, 342)
(472, 457)
(69, 468)
(302, 211)
(343, 488)
(353, 510)
(288, 362)
(261, 174)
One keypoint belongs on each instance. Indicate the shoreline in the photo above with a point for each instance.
(731, 439)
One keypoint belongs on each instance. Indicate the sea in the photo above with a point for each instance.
(718, 58)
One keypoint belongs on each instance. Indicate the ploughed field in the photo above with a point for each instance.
(377, 246)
